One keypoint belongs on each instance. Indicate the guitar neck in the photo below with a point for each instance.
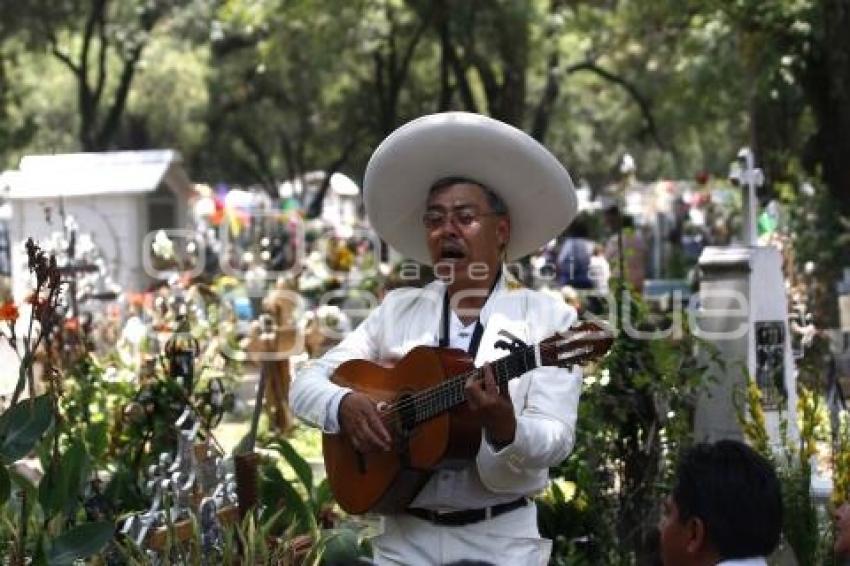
(449, 394)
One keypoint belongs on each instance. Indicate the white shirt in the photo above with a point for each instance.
(453, 490)
(545, 399)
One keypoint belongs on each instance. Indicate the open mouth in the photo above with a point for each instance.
(451, 253)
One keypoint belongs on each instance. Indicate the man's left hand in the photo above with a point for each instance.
(494, 407)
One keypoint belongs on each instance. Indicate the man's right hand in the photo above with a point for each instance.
(360, 421)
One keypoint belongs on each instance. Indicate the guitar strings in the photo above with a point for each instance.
(441, 391)
(445, 391)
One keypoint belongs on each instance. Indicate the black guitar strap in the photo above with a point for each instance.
(479, 328)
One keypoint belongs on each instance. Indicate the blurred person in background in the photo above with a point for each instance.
(634, 248)
(573, 261)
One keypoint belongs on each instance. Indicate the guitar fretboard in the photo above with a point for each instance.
(431, 402)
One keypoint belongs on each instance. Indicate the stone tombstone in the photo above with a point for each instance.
(742, 311)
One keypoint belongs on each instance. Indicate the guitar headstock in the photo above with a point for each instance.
(582, 343)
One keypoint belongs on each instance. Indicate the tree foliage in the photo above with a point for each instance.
(260, 91)
(100, 44)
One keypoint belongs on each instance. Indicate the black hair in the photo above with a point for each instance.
(736, 494)
(497, 205)
(612, 210)
(579, 228)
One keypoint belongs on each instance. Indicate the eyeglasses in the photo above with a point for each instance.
(461, 218)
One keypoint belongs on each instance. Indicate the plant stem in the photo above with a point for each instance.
(54, 456)
(25, 369)
(22, 541)
(19, 386)
(28, 350)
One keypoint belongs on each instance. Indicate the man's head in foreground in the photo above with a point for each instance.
(467, 229)
(726, 505)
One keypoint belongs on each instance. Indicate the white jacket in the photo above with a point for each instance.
(545, 399)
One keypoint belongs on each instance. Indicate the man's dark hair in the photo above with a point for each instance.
(497, 205)
(736, 494)
(579, 227)
(612, 210)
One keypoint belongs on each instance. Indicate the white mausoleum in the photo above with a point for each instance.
(115, 197)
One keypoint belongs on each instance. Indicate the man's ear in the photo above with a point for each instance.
(696, 535)
(504, 230)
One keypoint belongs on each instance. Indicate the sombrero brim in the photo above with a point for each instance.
(535, 186)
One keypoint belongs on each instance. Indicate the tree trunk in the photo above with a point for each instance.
(827, 85)
(446, 54)
(547, 100)
(314, 209)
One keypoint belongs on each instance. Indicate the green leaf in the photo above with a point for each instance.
(270, 480)
(323, 495)
(23, 483)
(5, 485)
(340, 546)
(558, 494)
(293, 458)
(97, 439)
(22, 426)
(61, 484)
(276, 491)
(40, 558)
(80, 542)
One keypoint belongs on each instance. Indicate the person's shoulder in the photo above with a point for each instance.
(406, 295)
(548, 301)
(549, 298)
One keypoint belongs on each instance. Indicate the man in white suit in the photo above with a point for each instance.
(463, 193)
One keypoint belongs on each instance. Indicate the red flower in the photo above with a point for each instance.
(9, 311)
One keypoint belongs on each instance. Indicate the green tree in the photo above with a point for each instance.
(798, 60)
(100, 42)
(301, 86)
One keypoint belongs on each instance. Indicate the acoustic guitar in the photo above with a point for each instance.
(421, 400)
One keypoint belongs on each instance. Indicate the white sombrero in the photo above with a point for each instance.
(535, 186)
